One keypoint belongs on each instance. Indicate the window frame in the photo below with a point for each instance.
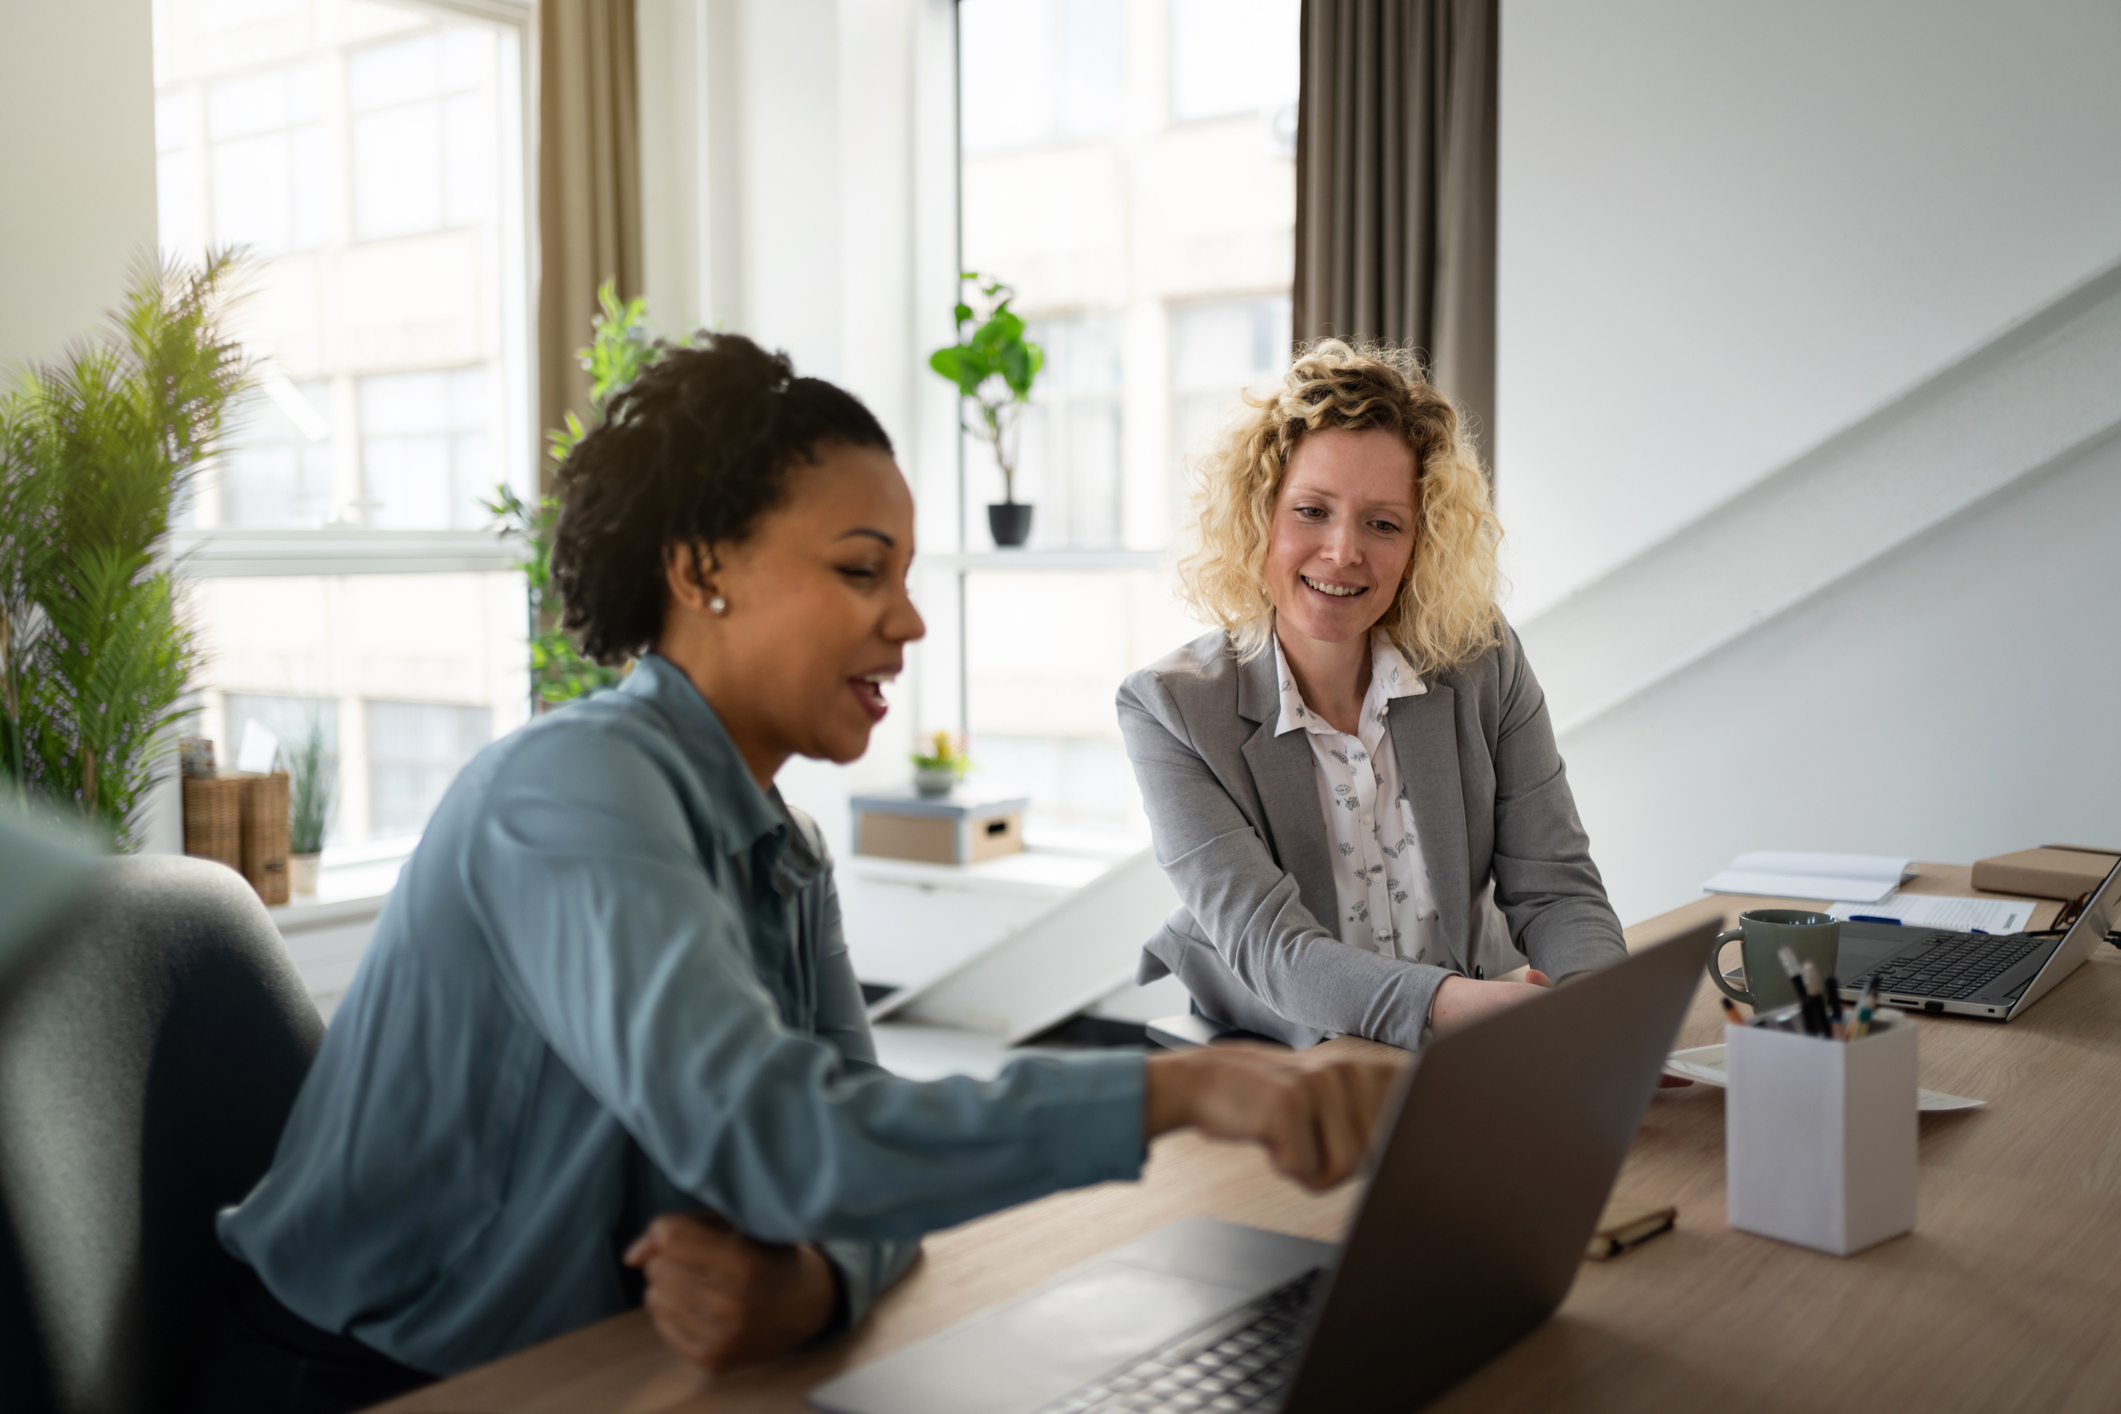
(222, 552)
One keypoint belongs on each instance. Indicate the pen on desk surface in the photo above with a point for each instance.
(1873, 918)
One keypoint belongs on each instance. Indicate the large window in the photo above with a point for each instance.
(369, 158)
(1127, 166)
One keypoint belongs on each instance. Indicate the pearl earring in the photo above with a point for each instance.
(717, 605)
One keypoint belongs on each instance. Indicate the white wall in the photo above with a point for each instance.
(1954, 700)
(1728, 230)
(78, 169)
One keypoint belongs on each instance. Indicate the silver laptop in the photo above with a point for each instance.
(1484, 1187)
(1995, 976)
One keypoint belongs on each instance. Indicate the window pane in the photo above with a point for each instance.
(291, 719)
(1232, 56)
(399, 389)
(277, 473)
(245, 106)
(1038, 71)
(1152, 257)
(413, 673)
(415, 749)
(1219, 349)
(425, 454)
(253, 198)
(394, 73)
(398, 171)
(1070, 443)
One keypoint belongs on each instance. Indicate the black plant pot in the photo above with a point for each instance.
(1010, 522)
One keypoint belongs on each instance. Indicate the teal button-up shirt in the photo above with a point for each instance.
(610, 983)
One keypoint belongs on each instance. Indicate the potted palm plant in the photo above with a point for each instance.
(96, 449)
(994, 367)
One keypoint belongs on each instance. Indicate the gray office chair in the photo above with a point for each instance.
(149, 1054)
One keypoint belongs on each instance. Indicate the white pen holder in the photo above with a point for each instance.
(1819, 1135)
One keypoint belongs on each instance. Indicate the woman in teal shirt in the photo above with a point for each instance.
(611, 986)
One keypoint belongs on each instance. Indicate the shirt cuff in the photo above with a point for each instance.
(862, 1271)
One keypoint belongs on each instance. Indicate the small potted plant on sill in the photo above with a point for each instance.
(938, 772)
(312, 781)
(994, 367)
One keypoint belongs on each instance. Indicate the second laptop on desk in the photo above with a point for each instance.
(1497, 1158)
(1995, 977)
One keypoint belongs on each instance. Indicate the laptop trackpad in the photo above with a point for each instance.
(1866, 946)
(1038, 1349)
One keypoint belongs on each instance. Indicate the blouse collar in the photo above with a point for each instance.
(1391, 676)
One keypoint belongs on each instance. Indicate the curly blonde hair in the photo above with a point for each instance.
(1445, 614)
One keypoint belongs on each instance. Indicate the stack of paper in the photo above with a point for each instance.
(1850, 878)
(1961, 915)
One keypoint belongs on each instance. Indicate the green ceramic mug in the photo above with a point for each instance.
(1814, 937)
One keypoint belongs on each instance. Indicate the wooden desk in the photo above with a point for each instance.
(2006, 1296)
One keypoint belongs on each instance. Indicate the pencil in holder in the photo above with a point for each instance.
(1820, 1135)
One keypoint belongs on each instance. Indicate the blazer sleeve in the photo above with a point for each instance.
(1545, 883)
(1249, 906)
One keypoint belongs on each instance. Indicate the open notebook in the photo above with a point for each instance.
(1845, 878)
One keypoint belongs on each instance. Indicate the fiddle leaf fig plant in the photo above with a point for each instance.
(994, 367)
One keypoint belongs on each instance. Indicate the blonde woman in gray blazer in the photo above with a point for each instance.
(1353, 782)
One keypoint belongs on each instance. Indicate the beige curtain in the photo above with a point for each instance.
(589, 186)
(1395, 185)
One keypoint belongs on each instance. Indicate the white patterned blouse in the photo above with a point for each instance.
(1380, 878)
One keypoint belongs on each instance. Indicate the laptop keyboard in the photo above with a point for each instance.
(1954, 966)
(1227, 1367)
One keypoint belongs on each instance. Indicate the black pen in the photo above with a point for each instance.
(1805, 1000)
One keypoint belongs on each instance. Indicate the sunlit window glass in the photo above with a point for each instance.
(415, 750)
(370, 157)
(1127, 169)
(1231, 57)
(277, 473)
(425, 459)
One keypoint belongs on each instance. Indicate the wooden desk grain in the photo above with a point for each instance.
(2006, 1296)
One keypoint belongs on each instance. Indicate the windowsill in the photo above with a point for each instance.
(1055, 861)
(352, 883)
(1046, 560)
(230, 553)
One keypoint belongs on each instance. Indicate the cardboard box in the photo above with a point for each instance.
(937, 830)
(2052, 871)
(1819, 1135)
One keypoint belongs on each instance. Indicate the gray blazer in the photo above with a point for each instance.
(1234, 812)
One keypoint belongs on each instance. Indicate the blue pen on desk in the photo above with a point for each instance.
(1873, 918)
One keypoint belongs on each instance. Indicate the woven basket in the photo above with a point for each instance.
(213, 819)
(265, 824)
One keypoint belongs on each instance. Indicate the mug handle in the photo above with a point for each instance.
(1728, 935)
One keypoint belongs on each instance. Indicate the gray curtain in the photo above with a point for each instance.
(1395, 185)
(589, 187)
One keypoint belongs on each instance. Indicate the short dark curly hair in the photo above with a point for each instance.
(697, 449)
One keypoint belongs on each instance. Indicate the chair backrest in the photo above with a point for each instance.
(149, 1056)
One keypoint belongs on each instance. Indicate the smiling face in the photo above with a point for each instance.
(816, 614)
(1343, 533)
